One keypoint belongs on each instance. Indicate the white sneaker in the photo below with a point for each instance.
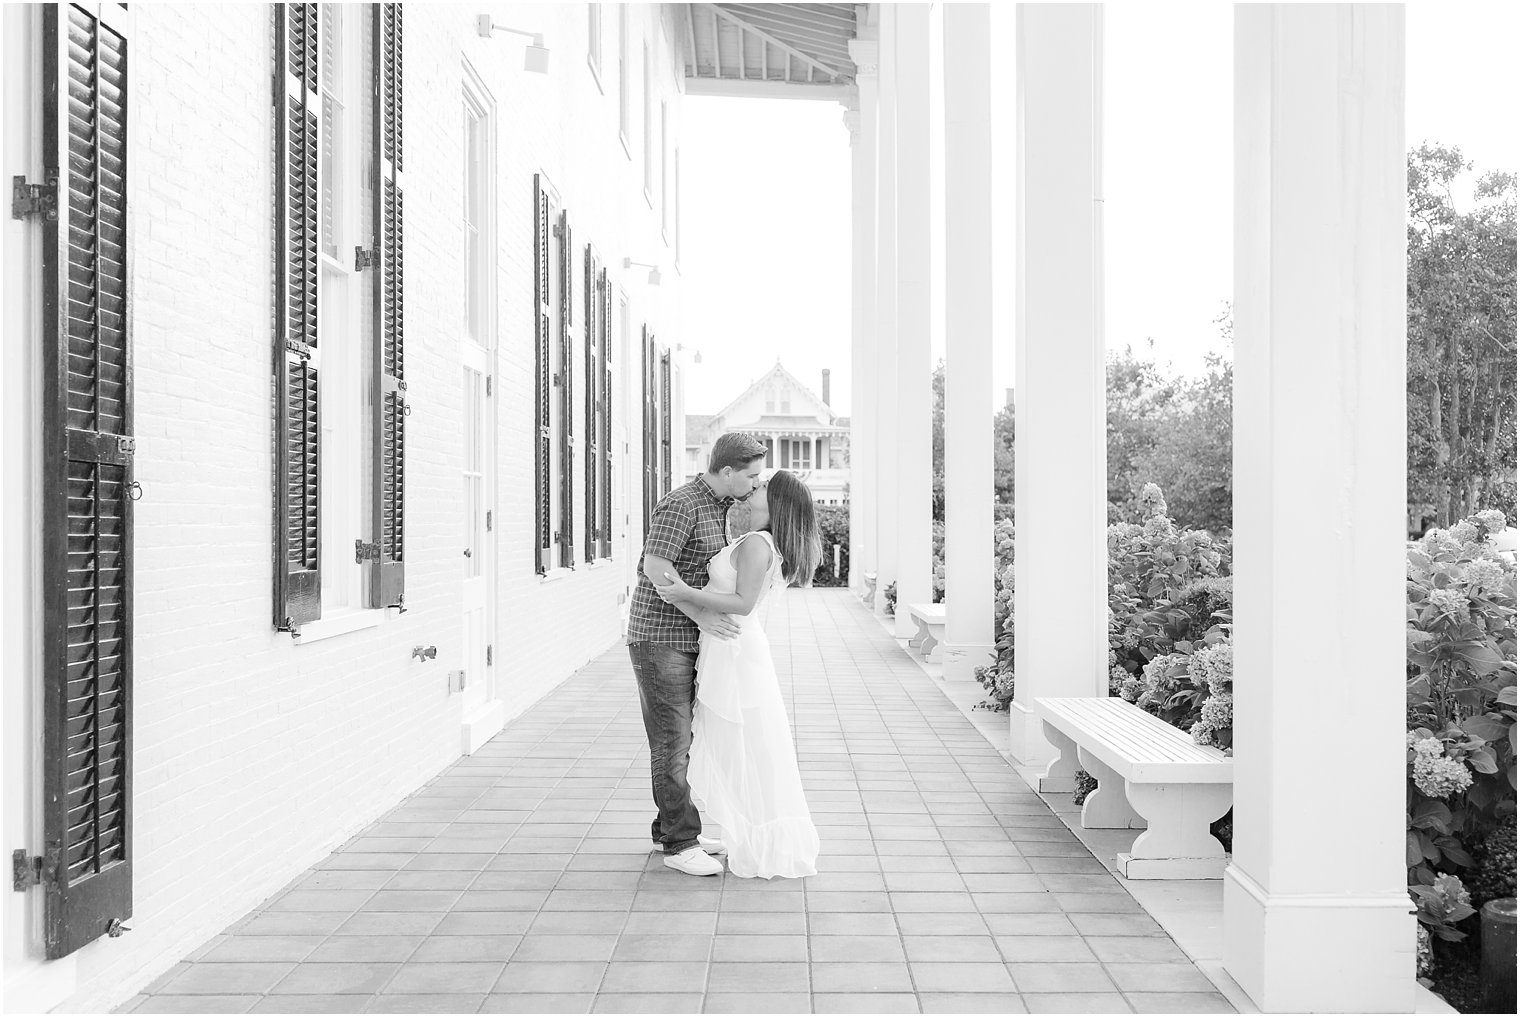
(694, 862)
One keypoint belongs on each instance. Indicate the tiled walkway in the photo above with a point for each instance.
(521, 880)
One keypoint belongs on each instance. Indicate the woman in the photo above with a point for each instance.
(743, 766)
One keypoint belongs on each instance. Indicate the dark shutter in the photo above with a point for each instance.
(87, 479)
(605, 527)
(388, 443)
(298, 108)
(646, 352)
(566, 382)
(665, 422)
(542, 316)
(592, 326)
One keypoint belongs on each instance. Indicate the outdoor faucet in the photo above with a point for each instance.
(425, 652)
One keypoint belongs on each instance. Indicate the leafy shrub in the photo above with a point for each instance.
(1086, 784)
(997, 677)
(1460, 713)
(889, 595)
(833, 528)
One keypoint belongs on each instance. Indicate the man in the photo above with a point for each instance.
(686, 530)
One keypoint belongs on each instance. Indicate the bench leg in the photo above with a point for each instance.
(1060, 777)
(1107, 807)
(1177, 843)
(930, 647)
(916, 640)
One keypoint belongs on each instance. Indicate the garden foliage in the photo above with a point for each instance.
(1461, 723)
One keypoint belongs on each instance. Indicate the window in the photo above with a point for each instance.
(796, 454)
(664, 171)
(345, 310)
(770, 400)
(648, 129)
(594, 41)
(479, 151)
(624, 99)
(786, 400)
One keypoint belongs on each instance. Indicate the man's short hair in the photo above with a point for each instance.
(735, 449)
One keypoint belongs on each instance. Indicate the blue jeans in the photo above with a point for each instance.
(667, 680)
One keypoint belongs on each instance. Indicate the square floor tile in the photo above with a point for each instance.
(765, 976)
(655, 976)
(1073, 977)
(446, 976)
(647, 1002)
(757, 1002)
(538, 1002)
(1158, 977)
(550, 977)
(970, 977)
(971, 1002)
(314, 978)
(867, 1002)
(862, 977)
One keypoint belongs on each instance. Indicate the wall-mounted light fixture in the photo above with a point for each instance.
(535, 56)
(696, 355)
(654, 270)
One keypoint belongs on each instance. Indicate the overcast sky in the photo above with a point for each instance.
(766, 203)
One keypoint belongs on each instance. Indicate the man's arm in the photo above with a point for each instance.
(714, 623)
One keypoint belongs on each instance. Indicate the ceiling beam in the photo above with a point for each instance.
(745, 26)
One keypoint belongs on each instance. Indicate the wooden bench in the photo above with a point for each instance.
(1150, 776)
(930, 619)
(869, 596)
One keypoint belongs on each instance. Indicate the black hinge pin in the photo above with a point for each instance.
(488, 655)
(364, 257)
(488, 520)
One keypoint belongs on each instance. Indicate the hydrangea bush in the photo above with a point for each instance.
(997, 677)
(1460, 688)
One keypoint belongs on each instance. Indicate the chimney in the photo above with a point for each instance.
(826, 386)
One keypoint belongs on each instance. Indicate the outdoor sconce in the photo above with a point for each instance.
(696, 355)
(654, 270)
(535, 57)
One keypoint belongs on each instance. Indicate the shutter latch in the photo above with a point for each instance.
(34, 199)
(366, 552)
(26, 870)
(364, 258)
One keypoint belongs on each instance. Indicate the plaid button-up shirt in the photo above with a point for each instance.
(687, 528)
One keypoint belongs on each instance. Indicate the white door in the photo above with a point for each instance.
(476, 541)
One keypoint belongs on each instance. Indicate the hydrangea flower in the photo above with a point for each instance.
(1449, 602)
(1439, 776)
(1214, 666)
(1451, 890)
(1131, 641)
(1151, 501)
(1131, 689)
(1484, 573)
(1491, 520)
(1435, 541)
(1218, 711)
(1158, 528)
(1463, 533)
(1202, 733)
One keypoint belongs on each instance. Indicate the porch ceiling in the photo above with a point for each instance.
(795, 51)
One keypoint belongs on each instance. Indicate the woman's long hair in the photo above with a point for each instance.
(794, 527)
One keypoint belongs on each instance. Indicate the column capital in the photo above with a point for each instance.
(865, 54)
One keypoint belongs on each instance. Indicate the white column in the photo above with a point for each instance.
(969, 635)
(913, 492)
(1060, 489)
(884, 444)
(1316, 913)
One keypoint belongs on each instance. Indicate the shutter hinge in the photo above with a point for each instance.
(116, 928)
(366, 552)
(488, 655)
(488, 384)
(365, 258)
(26, 870)
(34, 199)
(488, 520)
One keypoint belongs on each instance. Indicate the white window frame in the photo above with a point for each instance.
(625, 97)
(345, 417)
(665, 171)
(478, 99)
(677, 210)
(594, 44)
(648, 128)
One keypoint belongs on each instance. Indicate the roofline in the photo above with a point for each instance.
(729, 88)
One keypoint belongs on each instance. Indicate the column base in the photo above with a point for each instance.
(1027, 743)
(1321, 953)
(961, 659)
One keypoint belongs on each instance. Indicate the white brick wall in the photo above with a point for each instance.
(254, 755)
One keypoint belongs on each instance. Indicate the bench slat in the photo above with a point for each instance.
(1136, 745)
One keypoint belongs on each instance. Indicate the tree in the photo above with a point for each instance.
(1461, 340)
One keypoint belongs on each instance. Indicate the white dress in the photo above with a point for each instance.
(743, 769)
